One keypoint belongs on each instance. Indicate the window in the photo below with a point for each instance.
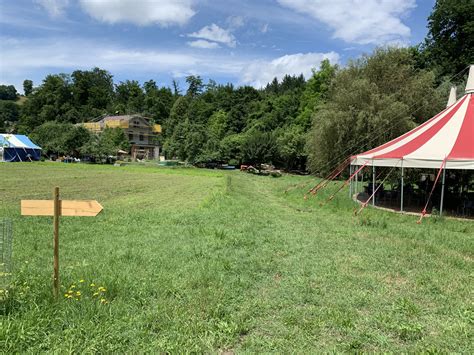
(141, 138)
(130, 136)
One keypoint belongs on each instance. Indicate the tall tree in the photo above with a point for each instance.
(9, 114)
(449, 46)
(27, 87)
(8, 92)
(195, 85)
(371, 101)
(92, 91)
(129, 97)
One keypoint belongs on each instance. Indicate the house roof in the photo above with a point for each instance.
(123, 118)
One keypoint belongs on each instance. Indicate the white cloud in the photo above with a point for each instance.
(216, 34)
(55, 8)
(235, 22)
(35, 57)
(261, 72)
(202, 43)
(24, 57)
(359, 21)
(162, 12)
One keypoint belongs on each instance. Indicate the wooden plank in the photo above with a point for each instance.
(37, 207)
(85, 208)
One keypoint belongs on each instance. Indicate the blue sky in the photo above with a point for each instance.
(240, 41)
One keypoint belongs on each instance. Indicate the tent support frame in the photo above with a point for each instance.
(442, 193)
(356, 184)
(373, 181)
(401, 189)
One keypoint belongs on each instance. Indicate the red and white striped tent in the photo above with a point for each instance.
(446, 140)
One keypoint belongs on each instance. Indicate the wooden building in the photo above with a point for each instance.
(141, 133)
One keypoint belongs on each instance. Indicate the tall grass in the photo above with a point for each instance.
(202, 261)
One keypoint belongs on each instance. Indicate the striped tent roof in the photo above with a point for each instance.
(447, 136)
(16, 141)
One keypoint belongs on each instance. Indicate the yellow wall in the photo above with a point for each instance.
(92, 126)
(157, 128)
(115, 124)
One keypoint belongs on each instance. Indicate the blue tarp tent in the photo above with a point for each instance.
(16, 147)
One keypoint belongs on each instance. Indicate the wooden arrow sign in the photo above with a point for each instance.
(87, 208)
(57, 208)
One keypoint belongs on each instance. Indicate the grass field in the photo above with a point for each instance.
(202, 261)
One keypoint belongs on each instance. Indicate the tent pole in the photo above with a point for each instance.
(442, 193)
(401, 189)
(350, 182)
(373, 182)
(356, 183)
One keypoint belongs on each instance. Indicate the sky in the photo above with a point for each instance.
(244, 42)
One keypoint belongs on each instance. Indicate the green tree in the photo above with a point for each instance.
(27, 87)
(92, 92)
(259, 147)
(315, 92)
(129, 97)
(9, 114)
(157, 102)
(371, 101)
(107, 143)
(290, 146)
(195, 85)
(112, 140)
(8, 92)
(449, 46)
(51, 101)
(60, 138)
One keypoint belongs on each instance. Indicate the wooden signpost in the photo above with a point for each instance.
(56, 208)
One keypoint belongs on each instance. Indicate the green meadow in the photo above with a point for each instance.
(189, 260)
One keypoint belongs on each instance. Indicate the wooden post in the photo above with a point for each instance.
(56, 208)
(57, 211)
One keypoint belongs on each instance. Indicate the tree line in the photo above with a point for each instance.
(294, 123)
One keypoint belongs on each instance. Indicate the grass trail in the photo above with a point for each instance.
(196, 260)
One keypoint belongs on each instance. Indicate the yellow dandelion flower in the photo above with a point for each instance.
(70, 291)
(103, 300)
(95, 294)
(73, 286)
(102, 289)
(65, 295)
(78, 293)
(92, 285)
(81, 281)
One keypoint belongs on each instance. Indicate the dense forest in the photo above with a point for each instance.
(296, 123)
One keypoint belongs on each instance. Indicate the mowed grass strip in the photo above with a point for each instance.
(202, 261)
